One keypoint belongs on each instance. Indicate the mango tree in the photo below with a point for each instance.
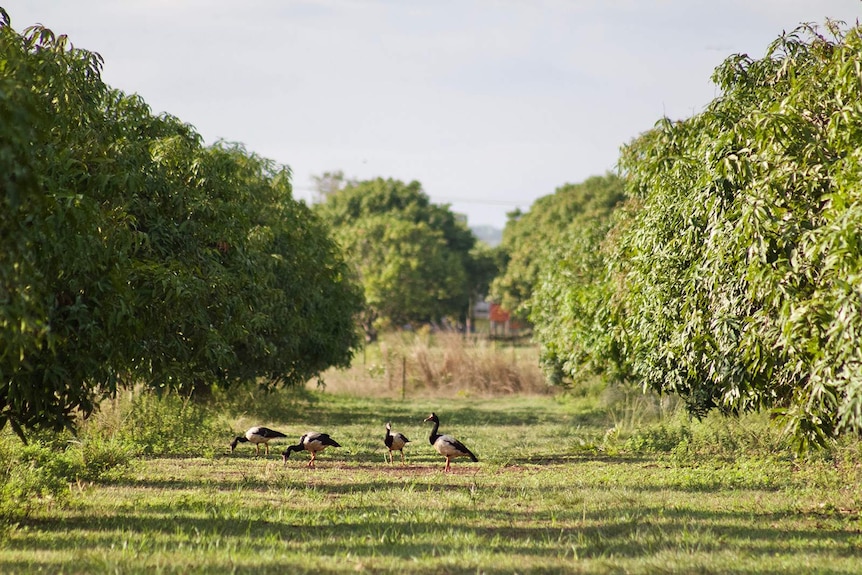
(412, 257)
(133, 253)
(736, 280)
(530, 237)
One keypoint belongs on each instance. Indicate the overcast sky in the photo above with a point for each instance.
(489, 104)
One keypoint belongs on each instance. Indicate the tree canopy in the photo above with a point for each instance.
(414, 259)
(133, 253)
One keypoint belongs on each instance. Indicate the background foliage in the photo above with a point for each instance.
(530, 239)
(417, 261)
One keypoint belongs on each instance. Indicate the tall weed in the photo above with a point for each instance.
(39, 473)
(30, 476)
(644, 422)
(687, 440)
(143, 423)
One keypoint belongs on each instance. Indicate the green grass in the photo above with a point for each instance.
(555, 491)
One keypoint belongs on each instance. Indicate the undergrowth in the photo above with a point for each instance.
(143, 423)
(48, 468)
(42, 472)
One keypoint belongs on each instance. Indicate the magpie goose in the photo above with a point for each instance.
(257, 435)
(312, 442)
(446, 445)
(395, 442)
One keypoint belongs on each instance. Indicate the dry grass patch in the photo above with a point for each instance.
(426, 364)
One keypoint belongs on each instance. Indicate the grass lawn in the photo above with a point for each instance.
(544, 498)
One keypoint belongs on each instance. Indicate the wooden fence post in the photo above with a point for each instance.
(403, 377)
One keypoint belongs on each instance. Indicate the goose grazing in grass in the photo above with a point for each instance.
(313, 442)
(446, 445)
(395, 442)
(257, 435)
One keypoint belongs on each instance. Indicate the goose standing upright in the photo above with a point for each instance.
(257, 435)
(395, 442)
(446, 445)
(312, 442)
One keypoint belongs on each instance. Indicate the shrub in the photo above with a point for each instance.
(149, 424)
(38, 474)
(663, 438)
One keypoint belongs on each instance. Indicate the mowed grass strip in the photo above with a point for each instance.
(542, 499)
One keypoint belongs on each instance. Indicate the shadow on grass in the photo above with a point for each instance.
(623, 532)
(307, 406)
(341, 473)
(417, 479)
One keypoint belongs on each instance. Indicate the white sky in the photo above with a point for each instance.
(489, 104)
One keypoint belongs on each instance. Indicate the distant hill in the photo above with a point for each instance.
(488, 234)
